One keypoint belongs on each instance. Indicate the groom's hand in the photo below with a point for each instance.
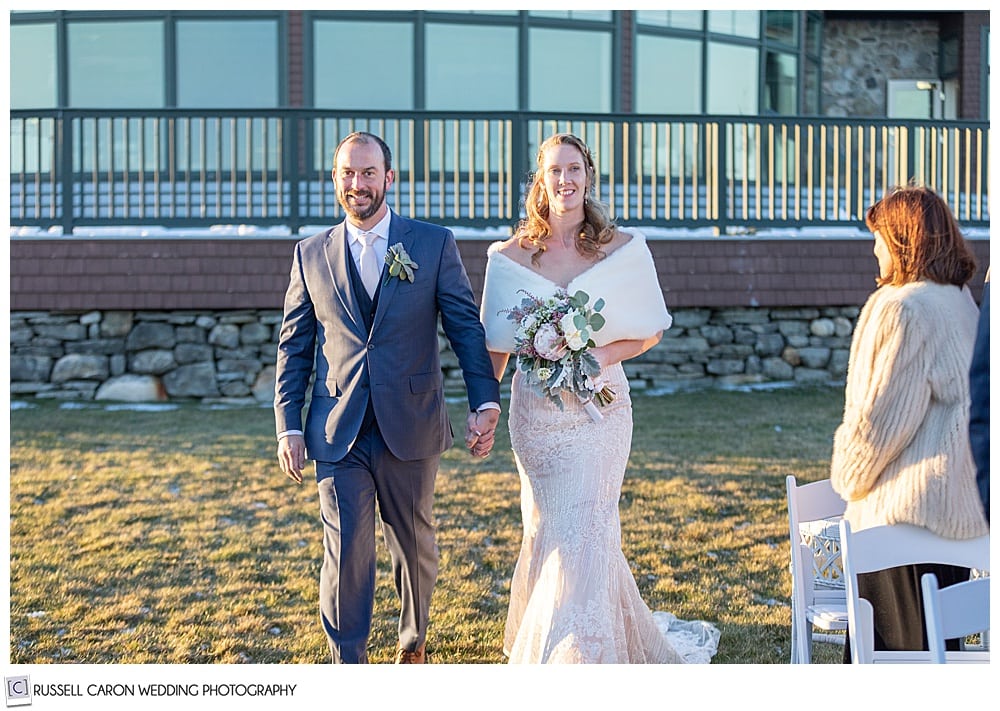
(480, 431)
(292, 456)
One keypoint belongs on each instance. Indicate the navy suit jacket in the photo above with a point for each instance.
(397, 364)
(979, 413)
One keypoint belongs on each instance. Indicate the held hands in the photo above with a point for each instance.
(480, 431)
(292, 456)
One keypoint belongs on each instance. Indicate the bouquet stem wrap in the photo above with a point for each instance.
(592, 410)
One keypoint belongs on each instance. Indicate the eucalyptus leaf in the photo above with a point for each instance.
(597, 322)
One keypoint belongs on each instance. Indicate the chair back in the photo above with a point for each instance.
(956, 611)
(812, 502)
(883, 547)
(808, 503)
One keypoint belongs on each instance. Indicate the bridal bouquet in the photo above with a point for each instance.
(552, 338)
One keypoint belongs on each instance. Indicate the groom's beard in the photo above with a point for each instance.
(375, 200)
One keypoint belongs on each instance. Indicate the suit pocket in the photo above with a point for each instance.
(425, 382)
(326, 388)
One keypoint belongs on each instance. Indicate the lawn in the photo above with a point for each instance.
(172, 537)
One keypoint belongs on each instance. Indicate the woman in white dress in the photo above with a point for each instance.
(573, 596)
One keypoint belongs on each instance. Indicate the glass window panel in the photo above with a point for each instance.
(911, 99)
(379, 53)
(668, 75)
(570, 70)
(32, 142)
(33, 73)
(741, 23)
(597, 15)
(678, 19)
(116, 64)
(732, 79)
(780, 71)
(814, 35)
(781, 26)
(471, 68)
(227, 63)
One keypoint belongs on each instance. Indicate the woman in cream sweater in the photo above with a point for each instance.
(902, 453)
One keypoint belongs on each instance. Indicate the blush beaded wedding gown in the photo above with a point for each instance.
(573, 598)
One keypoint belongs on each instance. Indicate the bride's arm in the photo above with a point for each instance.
(617, 351)
(499, 361)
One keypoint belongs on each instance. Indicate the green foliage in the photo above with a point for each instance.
(173, 537)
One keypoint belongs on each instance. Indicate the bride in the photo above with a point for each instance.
(573, 597)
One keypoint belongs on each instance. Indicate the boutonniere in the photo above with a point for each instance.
(400, 264)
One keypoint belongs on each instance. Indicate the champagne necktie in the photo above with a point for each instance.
(370, 271)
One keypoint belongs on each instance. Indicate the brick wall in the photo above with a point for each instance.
(971, 54)
(139, 274)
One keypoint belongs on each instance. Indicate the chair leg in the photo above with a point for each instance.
(801, 639)
(805, 645)
(795, 642)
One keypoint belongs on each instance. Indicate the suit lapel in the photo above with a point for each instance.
(399, 233)
(337, 254)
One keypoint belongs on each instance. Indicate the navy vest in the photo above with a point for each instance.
(368, 306)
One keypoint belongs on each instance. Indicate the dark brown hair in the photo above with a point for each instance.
(923, 238)
(597, 228)
(365, 137)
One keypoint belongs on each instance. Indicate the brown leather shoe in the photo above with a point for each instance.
(417, 656)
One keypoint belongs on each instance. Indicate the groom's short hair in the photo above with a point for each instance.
(365, 137)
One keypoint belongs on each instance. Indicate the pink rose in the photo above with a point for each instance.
(548, 343)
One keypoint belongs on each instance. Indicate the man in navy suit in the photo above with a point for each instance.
(979, 389)
(377, 422)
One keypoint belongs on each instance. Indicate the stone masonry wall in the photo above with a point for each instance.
(228, 356)
(861, 55)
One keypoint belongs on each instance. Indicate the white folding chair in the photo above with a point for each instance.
(818, 596)
(956, 611)
(883, 547)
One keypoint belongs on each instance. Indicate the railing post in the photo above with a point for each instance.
(291, 159)
(64, 141)
(910, 131)
(419, 167)
(518, 162)
(722, 177)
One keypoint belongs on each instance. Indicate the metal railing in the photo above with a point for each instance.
(175, 168)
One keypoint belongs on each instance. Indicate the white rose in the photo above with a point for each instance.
(575, 338)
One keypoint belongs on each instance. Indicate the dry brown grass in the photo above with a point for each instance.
(172, 537)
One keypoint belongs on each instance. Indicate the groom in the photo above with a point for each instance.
(377, 422)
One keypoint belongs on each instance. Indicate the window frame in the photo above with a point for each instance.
(63, 18)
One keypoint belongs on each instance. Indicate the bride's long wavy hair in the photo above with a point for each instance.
(597, 227)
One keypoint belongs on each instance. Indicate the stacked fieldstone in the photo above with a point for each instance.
(144, 356)
(228, 356)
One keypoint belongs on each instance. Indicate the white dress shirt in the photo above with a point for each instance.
(381, 245)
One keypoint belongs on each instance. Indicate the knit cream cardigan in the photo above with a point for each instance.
(902, 453)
